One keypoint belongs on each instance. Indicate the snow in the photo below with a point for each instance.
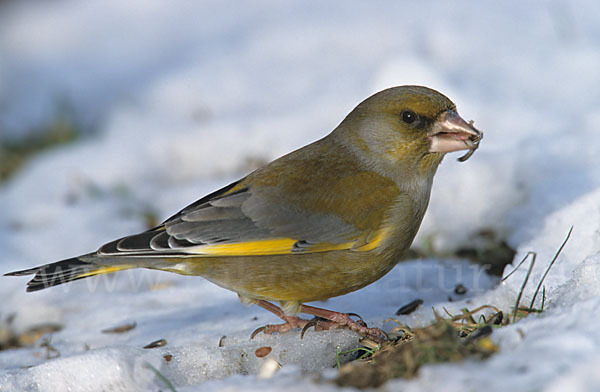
(188, 97)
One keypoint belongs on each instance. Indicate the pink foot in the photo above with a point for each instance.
(342, 320)
(324, 320)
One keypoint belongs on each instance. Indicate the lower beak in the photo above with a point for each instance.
(451, 133)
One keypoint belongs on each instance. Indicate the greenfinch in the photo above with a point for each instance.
(319, 222)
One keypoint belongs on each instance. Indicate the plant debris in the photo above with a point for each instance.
(15, 153)
(451, 339)
(51, 351)
(460, 289)
(156, 344)
(262, 352)
(518, 311)
(496, 318)
(10, 338)
(438, 342)
(160, 376)
(121, 328)
(409, 307)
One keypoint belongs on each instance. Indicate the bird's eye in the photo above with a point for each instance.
(408, 116)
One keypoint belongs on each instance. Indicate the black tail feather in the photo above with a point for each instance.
(50, 275)
(30, 271)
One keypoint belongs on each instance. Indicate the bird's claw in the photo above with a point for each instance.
(311, 323)
(257, 331)
(360, 319)
(291, 323)
(320, 324)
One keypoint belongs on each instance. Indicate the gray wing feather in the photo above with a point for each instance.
(239, 217)
(285, 221)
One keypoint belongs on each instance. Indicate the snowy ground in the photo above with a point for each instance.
(190, 96)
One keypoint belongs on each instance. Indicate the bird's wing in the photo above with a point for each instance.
(241, 220)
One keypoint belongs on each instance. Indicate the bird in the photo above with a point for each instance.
(322, 221)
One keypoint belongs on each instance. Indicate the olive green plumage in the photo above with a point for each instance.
(322, 221)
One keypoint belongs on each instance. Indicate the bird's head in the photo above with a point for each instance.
(409, 127)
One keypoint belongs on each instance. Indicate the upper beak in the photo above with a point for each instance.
(451, 133)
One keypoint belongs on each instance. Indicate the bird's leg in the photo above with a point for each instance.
(291, 322)
(324, 320)
(341, 320)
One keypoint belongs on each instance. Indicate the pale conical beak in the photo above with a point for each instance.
(451, 133)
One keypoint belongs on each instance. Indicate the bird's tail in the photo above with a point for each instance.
(64, 271)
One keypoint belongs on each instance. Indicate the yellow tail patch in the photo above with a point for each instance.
(104, 270)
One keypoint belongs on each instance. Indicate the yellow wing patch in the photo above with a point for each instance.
(277, 246)
(373, 242)
(283, 246)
